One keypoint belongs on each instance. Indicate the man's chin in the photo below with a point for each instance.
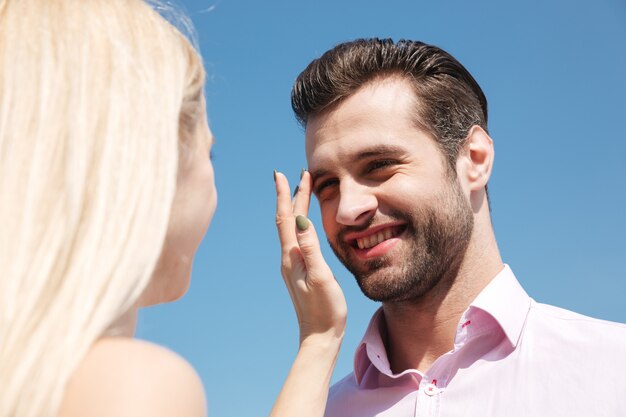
(377, 278)
(381, 293)
(381, 285)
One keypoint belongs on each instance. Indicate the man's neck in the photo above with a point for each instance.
(420, 331)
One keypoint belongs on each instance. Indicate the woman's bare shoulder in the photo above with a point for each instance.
(126, 377)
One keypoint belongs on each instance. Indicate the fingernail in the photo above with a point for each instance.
(275, 175)
(302, 173)
(296, 190)
(302, 223)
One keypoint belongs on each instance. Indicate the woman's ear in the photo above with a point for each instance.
(476, 159)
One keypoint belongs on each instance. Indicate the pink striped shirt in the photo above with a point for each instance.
(512, 357)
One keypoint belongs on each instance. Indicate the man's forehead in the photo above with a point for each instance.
(324, 132)
(327, 142)
(378, 105)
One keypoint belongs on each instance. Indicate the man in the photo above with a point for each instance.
(400, 157)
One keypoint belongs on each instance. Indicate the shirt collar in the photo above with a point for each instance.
(503, 299)
(371, 350)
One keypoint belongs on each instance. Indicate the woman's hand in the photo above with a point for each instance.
(316, 295)
(318, 300)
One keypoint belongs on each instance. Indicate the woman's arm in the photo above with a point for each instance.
(318, 300)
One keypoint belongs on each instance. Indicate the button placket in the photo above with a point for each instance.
(427, 404)
(431, 389)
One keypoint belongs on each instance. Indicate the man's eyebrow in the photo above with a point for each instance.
(316, 174)
(372, 151)
(379, 150)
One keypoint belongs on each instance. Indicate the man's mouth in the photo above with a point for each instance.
(369, 239)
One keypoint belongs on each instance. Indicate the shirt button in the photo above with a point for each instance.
(431, 389)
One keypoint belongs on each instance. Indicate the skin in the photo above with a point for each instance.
(429, 234)
(349, 148)
(119, 378)
(118, 375)
(192, 210)
(320, 305)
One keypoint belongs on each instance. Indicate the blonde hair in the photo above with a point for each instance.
(95, 98)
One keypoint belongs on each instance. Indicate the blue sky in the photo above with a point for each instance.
(554, 73)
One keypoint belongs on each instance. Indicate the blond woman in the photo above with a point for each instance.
(106, 190)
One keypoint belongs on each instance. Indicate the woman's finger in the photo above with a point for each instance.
(285, 222)
(302, 197)
(317, 269)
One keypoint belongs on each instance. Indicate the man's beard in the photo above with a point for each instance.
(436, 238)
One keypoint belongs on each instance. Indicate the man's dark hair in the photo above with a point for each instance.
(449, 100)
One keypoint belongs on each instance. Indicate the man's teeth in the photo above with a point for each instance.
(374, 239)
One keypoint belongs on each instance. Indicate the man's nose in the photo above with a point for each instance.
(357, 203)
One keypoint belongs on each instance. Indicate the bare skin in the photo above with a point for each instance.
(436, 317)
(363, 188)
(319, 303)
(118, 376)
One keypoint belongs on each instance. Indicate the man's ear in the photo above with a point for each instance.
(476, 159)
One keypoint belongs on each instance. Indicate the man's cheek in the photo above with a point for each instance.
(328, 220)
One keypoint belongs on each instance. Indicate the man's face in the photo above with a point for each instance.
(393, 212)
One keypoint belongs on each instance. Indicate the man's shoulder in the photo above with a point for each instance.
(339, 396)
(344, 385)
(557, 323)
(561, 316)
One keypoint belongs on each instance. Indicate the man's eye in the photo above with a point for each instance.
(324, 185)
(380, 164)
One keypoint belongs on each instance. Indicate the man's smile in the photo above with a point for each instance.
(375, 241)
